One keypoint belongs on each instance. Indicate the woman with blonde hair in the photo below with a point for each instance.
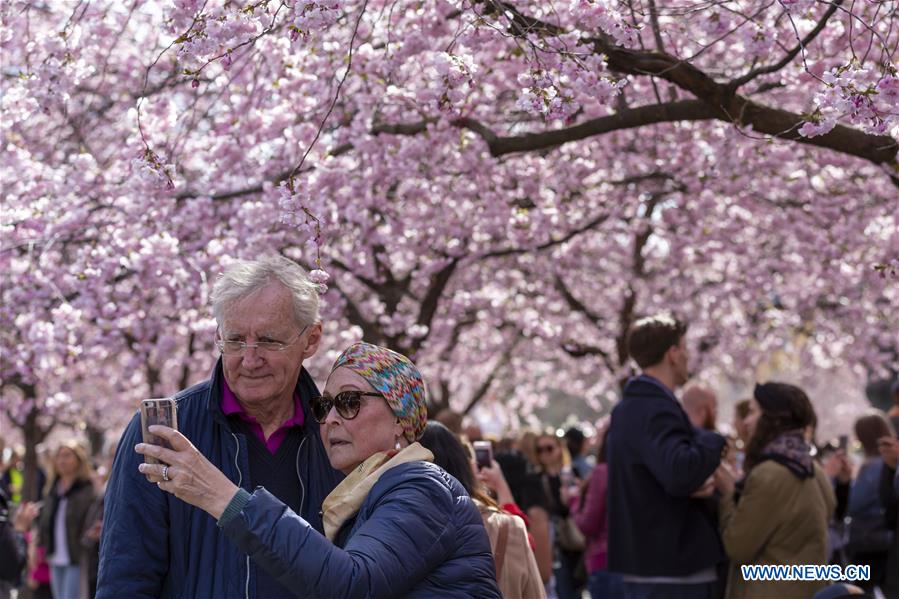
(558, 480)
(69, 495)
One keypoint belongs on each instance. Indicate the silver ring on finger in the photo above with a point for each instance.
(165, 473)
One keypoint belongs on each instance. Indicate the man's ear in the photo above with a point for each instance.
(670, 357)
(313, 340)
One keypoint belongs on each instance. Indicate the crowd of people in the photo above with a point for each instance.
(50, 543)
(269, 488)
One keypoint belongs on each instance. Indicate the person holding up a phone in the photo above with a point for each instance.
(252, 419)
(397, 526)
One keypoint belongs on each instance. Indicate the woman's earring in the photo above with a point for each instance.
(397, 446)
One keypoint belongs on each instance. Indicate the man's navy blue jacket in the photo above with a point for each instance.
(656, 460)
(155, 545)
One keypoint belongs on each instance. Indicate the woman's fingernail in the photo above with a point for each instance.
(142, 467)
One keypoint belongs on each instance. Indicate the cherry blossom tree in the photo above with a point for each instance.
(496, 188)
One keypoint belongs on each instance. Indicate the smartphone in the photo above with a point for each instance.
(567, 478)
(157, 411)
(844, 442)
(483, 454)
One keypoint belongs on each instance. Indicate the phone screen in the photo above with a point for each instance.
(483, 453)
(157, 411)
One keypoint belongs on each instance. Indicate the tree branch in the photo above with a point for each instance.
(402, 128)
(724, 104)
(371, 284)
(431, 300)
(730, 108)
(551, 243)
(733, 108)
(520, 24)
(683, 110)
(236, 193)
(370, 331)
(481, 391)
(580, 350)
(574, 303)
(822, 23)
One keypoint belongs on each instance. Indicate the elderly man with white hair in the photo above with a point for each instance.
(252, 419)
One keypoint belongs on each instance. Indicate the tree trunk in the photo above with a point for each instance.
(33, 435)
(95, 438)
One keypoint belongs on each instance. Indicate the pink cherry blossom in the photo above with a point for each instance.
(498, 194)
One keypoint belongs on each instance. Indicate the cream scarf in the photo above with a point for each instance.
(347, 497)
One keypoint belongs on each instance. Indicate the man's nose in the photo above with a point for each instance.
(251, 357)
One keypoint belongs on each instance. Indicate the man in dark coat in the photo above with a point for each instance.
(661, 538)
(252, 420)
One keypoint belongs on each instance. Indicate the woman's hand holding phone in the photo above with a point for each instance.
(185, 472)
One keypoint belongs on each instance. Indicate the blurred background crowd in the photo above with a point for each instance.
(555, 480)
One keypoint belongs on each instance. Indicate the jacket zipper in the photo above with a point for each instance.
(239, 481)
(300, 478)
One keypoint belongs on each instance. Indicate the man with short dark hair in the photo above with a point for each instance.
(660, 536)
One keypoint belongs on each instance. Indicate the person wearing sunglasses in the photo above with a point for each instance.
(252, 419)
(398, 525)
(557, 478)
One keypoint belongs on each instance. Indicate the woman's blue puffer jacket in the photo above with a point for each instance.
(417, 534)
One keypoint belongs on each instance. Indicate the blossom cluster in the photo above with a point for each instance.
(214, 36)
(590, 15)
(451, 77)
(314, 15)
(855, 92)
(490, 258)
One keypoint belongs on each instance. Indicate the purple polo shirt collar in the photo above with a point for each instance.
(230, 405)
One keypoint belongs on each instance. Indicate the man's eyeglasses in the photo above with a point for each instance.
(348, 404)
(238, 348)
(545, 449)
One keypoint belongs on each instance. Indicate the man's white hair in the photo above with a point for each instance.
(245, 277)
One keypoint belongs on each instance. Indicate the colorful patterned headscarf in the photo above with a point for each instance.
(396, 377)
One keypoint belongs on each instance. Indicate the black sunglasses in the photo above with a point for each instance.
(347, 403)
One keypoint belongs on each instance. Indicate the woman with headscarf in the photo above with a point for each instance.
(396, 526)
(778, 513)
